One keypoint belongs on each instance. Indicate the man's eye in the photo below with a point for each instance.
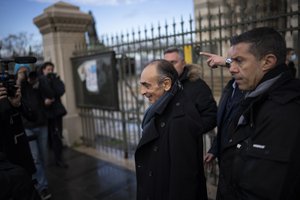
(173, 62)
(147, 86)
(237, 60)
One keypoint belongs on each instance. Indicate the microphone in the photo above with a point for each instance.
(25, 59)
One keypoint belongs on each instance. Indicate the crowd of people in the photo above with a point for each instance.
(30, 114)
(257, 128)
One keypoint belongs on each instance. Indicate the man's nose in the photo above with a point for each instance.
(142, 90)
(233, 68)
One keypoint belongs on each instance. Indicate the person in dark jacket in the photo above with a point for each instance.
(197, 90)
(228, 105)
(194, 87)
(35, 127)
(291, 57)
(168, 165)
(16, 163)
(261, 159)
(55, 110)
(15, 182)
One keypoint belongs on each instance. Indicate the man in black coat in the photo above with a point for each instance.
(195, 88)
(16, 163)
(52, 88)
(228, 106)
(261, 159)
(168, 165)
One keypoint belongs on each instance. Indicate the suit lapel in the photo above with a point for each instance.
(150, 133)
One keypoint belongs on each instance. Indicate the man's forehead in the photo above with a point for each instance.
(240, 48)
(49, 67)
(171, 55)
(147, 78)
(149, 69)
(149, 72)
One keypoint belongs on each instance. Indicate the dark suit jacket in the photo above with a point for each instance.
(227, 108)
(168, 165)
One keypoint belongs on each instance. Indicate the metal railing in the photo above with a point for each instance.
(118, 132)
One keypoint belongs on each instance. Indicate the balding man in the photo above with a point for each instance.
(168, 165)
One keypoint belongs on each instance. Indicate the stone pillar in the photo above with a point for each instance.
(63, 28)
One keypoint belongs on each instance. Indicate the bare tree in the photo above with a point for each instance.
(20, 44)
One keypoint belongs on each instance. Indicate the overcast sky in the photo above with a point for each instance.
(111, 16)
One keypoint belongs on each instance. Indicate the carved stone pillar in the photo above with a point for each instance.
(63, 28)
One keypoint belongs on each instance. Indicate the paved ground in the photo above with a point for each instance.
(89, 178)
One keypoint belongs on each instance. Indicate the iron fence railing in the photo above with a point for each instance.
(118, 132)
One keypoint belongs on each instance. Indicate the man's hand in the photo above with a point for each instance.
(209, 161)
(214, 60)
(209, 157)
(48, 101)
(3, 92)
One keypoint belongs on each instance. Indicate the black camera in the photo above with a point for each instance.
(51, 76)
(7, 79)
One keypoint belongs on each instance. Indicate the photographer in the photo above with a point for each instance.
(16, 164)
(35, 125)
(291, 57)
(55, 110)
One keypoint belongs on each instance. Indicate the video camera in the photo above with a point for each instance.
(52, 76)
(7, 79)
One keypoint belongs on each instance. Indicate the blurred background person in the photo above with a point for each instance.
(52, 88)
(16, 163)
(291, 57)
(35, 125)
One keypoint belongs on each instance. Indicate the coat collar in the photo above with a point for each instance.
(159, 106)
(150, 130)
(148, 136)
(282, 90)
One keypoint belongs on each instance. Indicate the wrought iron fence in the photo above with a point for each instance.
(118, 132)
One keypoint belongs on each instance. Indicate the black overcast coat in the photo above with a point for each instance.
(13, 140)
(168, 161)
(261, 160)
(228, 106)
(169, 156)
(52, 87)
(200, 95)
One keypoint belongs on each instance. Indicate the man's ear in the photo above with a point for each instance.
(167, 84)
(269, 62)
